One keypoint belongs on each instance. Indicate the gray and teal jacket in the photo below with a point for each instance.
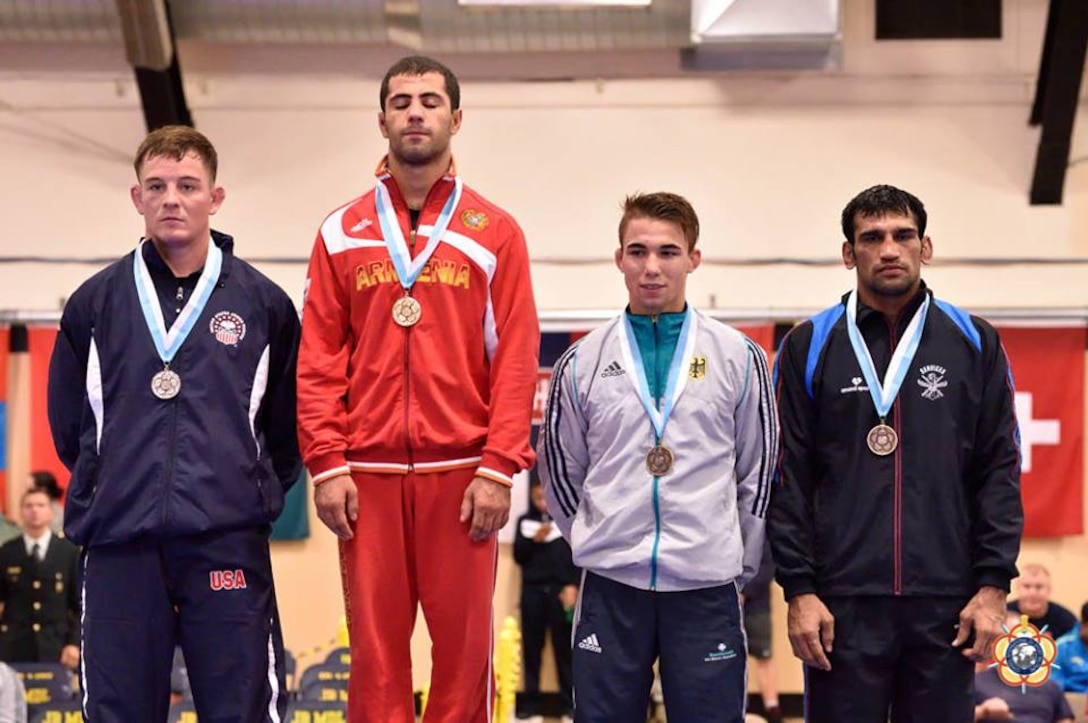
(700, 524)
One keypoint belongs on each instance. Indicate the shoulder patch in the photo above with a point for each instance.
(822, 324)
(962, 320)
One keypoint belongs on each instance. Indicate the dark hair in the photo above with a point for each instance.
(1084, 614)
(879, 201)
(416, 65)
(665, 207)
(177, 142)
(45, 482)
(35, 491)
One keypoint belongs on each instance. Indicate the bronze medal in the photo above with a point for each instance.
(659, 460)
(882, 440)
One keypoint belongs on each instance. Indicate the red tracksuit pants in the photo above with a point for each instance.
(410, 550)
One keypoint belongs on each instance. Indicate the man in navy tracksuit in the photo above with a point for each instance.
(897, 518)
(172, 401)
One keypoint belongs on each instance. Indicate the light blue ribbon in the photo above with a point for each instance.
(168, 342)
(884, 396)
(674, 386)
(408, 269)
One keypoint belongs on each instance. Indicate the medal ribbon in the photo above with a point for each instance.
(167, 343)
(884, 397)
(674, 387)
(408, 269)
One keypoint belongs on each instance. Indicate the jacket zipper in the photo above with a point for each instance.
(407, 339)
(897, 511)
(652, 373)
(407, 395)
(170, 455)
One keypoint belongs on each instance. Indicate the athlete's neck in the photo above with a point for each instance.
(416, 181)
(183, 259)
(890, 306)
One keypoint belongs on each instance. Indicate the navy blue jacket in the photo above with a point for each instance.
(942, 514)
(218, 456)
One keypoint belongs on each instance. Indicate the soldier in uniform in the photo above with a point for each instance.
(39, 619)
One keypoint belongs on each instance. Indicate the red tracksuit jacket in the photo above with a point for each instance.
(453, 391)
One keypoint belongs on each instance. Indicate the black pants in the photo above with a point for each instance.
(893, 656)
(696, 636)
(214, 592)
(541, 611)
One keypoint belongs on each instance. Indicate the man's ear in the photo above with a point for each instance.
(848, 259)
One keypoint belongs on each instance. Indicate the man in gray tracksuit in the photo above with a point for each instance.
(659, 443)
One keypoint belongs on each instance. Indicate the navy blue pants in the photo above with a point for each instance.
(213, 594)
(892, 656)
(696, 635)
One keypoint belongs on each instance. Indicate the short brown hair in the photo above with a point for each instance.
(663, 206)
(415, 66)
(177, 142)
(34, 491)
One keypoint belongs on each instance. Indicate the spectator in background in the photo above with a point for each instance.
(44, 480)
(996, 700)
(1071, 666)
(39, 621)
(12, 696)
(1033, 589)
(549, 590)
(757, 628)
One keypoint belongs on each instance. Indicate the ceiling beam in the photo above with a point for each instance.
(1057, 94)
(150, 47)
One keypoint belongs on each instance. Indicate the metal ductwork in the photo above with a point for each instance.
(282, 21)
(145, 26)
(59, 21)
(440, 26)
(787, 34)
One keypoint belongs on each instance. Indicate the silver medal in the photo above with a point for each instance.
(166, 384)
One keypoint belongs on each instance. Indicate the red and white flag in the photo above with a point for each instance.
(1048, 371)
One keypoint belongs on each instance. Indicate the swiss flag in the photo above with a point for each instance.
(1048, 370)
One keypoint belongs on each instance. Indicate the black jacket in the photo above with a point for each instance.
(942, 514)
(41, 601)
(543, 563)
(220, 454)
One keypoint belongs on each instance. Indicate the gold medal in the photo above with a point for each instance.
(406, 311)
(659, 460)
(882, 440)
(166, 384)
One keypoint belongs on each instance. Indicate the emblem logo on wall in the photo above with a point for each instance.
(228, 328)
(1024, 655)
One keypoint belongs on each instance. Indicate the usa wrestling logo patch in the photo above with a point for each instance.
(228, 328)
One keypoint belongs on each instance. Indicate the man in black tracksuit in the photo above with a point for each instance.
(549, 590)
(896, 521)
(172, 400)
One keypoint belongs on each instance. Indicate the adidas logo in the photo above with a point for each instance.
(613, 370)
(361, 225)
(590, 643)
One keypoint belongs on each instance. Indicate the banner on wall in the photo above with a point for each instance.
(5, 341)
(1048, 371)
(43, 455)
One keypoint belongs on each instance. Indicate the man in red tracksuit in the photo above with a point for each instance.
(417, 370)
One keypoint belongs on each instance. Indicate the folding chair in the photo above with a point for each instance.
(316, 711)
